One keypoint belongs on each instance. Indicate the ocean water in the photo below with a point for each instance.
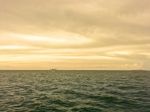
(74, 91)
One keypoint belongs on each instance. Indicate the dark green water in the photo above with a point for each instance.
(74, 91)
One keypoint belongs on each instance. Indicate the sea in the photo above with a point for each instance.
(75, 91)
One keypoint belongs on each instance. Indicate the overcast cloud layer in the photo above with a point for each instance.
(75, 34)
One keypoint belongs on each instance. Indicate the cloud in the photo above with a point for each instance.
(77, 30)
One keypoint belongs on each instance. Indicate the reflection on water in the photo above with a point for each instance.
(74, 91)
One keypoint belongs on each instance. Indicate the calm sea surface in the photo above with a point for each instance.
(74, 91)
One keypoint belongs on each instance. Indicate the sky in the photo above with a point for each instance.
(75, 34)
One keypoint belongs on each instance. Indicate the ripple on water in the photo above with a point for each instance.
(74, 91)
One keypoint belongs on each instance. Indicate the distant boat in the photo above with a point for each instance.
(53, 70)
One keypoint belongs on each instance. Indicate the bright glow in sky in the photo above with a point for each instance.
(75, 34)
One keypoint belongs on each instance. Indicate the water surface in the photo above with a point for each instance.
(74, 91)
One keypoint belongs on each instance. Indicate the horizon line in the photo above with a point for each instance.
(73, 70)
